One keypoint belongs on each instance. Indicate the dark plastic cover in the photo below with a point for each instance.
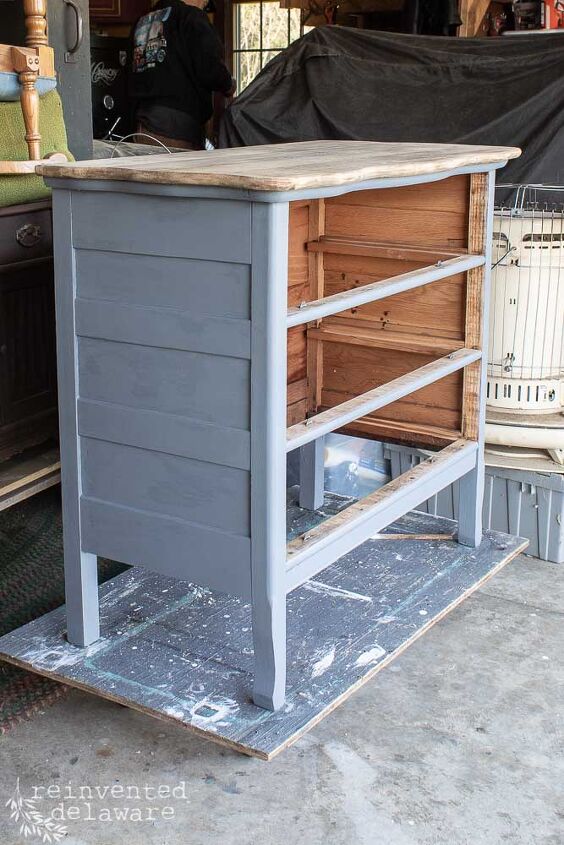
(340, 83)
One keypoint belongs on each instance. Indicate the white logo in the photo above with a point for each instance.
(101, 73)
(24, 812)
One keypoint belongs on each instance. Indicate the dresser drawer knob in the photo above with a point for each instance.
(29, 235)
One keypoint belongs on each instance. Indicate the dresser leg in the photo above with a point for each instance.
(312, 481)
(81, 570)
(269, 639)
(269, 295)
(470, 506)
(81, 586)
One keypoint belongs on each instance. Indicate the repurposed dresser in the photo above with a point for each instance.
(218, 310)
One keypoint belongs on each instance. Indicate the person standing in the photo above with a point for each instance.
(177, 63)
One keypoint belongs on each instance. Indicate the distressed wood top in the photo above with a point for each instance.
(287, 167)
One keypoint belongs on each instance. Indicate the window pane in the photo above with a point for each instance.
(248, 26)
(274, 26)
(268, 55)
(295, 19)
(279, 28)
(247, 65)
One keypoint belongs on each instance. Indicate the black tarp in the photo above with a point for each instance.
(340, 83)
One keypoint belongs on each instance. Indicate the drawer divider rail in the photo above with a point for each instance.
(353, 409)
(318, 548)
(334, 304)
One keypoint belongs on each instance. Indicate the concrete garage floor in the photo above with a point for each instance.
(459, 741)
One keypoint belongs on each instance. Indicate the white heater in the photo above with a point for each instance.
(525, 392)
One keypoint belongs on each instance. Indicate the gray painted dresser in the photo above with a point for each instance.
(175, 344)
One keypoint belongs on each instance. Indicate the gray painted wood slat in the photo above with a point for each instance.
(204, 387)
(165, 328)
(207, 494)
(163, 226)
(169, 433)
(168, 545)
(343, 627)
(217, 288)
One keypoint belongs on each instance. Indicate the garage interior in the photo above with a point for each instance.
(432, 708)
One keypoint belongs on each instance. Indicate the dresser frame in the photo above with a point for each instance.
(120, 450)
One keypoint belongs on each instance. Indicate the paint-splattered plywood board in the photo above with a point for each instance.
(182, 653)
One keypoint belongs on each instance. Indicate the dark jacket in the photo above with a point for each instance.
(177, 60)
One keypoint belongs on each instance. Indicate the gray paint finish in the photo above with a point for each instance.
(268, 451)
(312, 474)
(381, 289)
(217, 288)
(180, 400)
(208, 388)
(81, 570)
(167, 545)
(204, 493)
(165, 328)
(217, 230)
(159, 389)
(169, 433)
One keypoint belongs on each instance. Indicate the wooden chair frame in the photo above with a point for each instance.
(30, 62)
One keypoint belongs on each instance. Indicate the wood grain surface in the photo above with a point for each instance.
(287, 167)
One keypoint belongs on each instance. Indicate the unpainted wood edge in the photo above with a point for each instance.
(376, 249)
(413, 536)
(360, 406)
(119, 172)
(316, 271)
(387, 429)
(363, 507)
(388, 340)
(475, 284)
(26, 492)
(24, 480)
(133, 705)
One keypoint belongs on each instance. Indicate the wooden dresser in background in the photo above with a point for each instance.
(28, 379)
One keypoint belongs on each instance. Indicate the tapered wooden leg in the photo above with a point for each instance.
(312, 479)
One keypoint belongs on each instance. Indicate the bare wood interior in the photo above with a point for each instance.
(333, 248)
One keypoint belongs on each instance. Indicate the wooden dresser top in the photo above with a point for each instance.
(287, 167)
